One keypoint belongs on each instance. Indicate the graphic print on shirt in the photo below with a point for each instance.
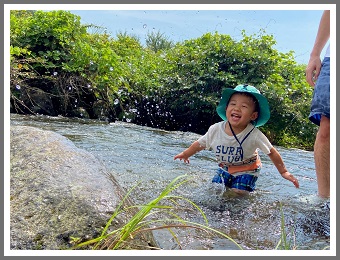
(229, 154)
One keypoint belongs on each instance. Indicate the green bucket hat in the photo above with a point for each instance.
(264, 111)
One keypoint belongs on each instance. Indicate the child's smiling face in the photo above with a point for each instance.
(241, 110)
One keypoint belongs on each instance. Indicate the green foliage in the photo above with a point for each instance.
(49, 35)
(163, 85)
(289, 97)
(157, 41)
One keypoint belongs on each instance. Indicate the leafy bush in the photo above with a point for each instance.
(164, 85)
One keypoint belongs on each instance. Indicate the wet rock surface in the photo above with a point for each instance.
(58, 192)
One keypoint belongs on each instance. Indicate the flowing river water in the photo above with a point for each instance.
(142, 154)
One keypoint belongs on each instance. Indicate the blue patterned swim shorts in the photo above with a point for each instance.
(241, 182)
(321, 96)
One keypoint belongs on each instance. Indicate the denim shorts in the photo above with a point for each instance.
(241, 182)
(321, 95)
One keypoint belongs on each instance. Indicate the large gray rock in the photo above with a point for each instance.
(58, 191)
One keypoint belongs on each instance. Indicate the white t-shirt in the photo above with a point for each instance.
(226, 147)
(327, 54)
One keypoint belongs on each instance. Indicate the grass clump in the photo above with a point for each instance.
(285, 243)
(142, 221)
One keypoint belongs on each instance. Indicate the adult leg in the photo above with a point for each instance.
(322, 157)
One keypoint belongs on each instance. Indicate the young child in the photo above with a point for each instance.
(236, 140)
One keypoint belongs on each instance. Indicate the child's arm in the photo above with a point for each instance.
(278, 162)
(193, 148)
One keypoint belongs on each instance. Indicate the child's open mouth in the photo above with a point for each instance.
(235, 116)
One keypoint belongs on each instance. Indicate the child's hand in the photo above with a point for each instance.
(288, 176)
(182, 156)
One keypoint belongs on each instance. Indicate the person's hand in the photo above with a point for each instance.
(288, 176)
(313, 70)
(182, 156)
